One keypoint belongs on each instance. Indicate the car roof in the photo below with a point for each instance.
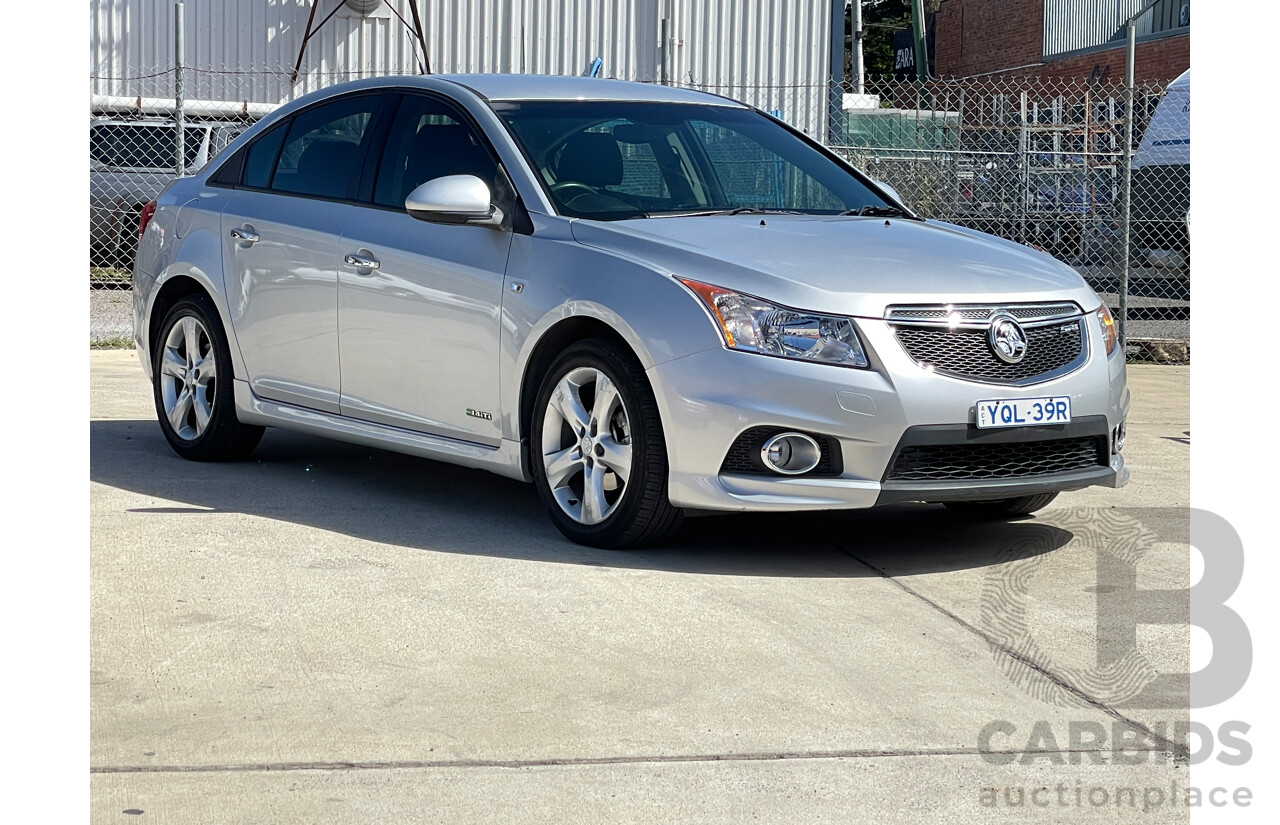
(495, 87)
(557, 87)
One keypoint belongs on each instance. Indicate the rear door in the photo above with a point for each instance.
(419, 334)
(281, 235)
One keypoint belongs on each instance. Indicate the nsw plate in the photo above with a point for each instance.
(1024, 412)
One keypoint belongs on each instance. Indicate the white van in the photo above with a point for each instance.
(1162, 180)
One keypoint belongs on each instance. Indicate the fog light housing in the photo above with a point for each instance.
(791, 454)
(1117, 438)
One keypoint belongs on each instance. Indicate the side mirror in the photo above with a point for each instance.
(456, 199)
(893, 193)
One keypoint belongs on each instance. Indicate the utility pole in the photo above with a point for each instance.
(859, 69)
(1126, 170)
(835, 85)
(179, 87)
(917, 30)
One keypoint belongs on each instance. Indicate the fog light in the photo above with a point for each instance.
(1117, 438)
(791, 453)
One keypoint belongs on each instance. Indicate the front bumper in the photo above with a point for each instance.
(710, 398)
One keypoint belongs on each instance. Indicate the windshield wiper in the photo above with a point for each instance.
(762, 210)
(879, 212)
(740, 210)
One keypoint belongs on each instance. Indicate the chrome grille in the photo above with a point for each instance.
(953, 341)
(971, 312)
(959, 462)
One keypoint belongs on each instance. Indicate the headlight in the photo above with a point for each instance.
(1110, 334)
(753, 325)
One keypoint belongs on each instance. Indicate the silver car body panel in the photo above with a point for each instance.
(419, 335)
(843, 265)
(282, 291)
(454, 315)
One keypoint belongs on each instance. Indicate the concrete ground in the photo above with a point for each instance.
(327, 633)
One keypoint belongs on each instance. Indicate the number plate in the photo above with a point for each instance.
(1024, 412)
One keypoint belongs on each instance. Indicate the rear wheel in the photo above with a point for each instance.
(1001, 508)
(598, 454)
(192, 380)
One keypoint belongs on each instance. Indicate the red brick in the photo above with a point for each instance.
(1005, 37)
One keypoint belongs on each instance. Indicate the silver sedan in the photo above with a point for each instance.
(646, 301)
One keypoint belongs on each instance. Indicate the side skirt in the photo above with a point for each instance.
(503, 459)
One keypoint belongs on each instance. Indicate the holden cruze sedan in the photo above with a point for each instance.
(646, 301)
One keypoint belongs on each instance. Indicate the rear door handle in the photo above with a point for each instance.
(360, 261)
(245, 235)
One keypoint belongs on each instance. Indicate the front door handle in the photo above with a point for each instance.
(245, 235)
(360, 261)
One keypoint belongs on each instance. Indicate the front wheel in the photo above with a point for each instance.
(1001, 508)
(193, 386)
(599, 458)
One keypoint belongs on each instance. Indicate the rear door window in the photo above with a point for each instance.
(260, 158)
(324, 149)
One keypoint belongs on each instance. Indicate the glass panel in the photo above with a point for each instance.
(611, 160)
(323, 153)
(262, 154)
(428, 141)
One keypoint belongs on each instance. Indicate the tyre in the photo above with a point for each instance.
(1001, 508)
(192, 382)
(597, 451)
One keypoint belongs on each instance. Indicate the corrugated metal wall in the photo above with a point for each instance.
(772, 53)
(1071, 25)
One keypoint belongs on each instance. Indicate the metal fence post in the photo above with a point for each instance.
(1126, 184)
(179, 87)
(835, 87)
(1024, 168)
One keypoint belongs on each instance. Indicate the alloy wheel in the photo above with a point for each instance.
(586, 445)
(188, 378)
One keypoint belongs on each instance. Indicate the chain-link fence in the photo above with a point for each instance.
(1040, 162)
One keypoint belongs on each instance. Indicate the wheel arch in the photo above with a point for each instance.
(558, 337)
(180, 283)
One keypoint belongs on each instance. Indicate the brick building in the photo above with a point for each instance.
(1060, 39)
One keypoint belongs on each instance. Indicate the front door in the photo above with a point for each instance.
(419, 333)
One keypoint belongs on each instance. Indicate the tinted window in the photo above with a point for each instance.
(641, 174)
(428, 140)
(139, 146)
(621, 159)
(261, 156)
(753, 175)
(324, 149)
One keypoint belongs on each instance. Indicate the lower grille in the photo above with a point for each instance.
(744, 455)
(965, 353)
(960, 462)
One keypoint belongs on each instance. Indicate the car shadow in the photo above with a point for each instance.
(400, 500)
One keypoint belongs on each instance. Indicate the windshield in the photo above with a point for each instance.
(611, 160)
